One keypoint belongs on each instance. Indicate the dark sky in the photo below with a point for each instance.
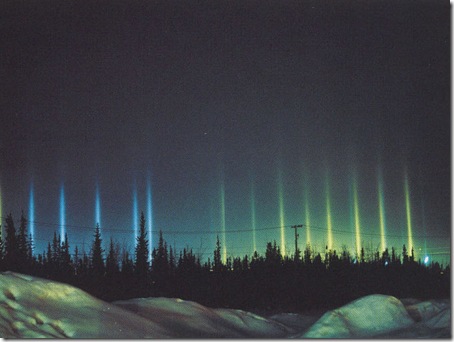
(211, 100)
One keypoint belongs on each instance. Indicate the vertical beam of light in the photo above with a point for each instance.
(328, 215)
(408, 212)
(307, 216)
(253, 218)
(135, 214)
(381, 210)
(224, 247)
(424, 226)
(281, 212)
(97, 207)
(149, 219)
(356, 213)
(62, 212)
(31, 213)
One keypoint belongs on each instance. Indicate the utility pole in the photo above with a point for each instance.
(296, 238)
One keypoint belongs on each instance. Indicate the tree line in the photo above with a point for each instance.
(306, 280)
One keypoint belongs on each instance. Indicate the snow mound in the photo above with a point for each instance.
(37, 308)
(434, 314)
(191, 320)
(365, 317)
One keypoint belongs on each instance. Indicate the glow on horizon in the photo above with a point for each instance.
(224, 247)
(31, 214)
(328, 216)
(98, 207)
(253, 218)
(149, 219)
(357, 221)
(135, 214)
(281, 214)
(381, 210)
(408, 214)
(62, 212)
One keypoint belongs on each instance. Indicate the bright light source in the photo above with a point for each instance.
(281, 212)
(31, 214)
(253, 217)
(357, 224)
(328, 215)
(62, 211)
(408, 212)
(97, 206)
(150, 219)
(426, 260)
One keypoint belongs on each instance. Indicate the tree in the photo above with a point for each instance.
(160, 264)
(404, 255)
(307, 254)
(65, 260)
(172, 262)
(142, 265)
(112, 262)
(363, 258)
(97, 263)
(217, 262)
(22, 245)
(393, 255)
(127, 265)
(56, 251)
(11, 249)
(273, 254)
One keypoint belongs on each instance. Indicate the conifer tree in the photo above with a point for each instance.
(172, 262)
(160, 264)
(76, 261)
(142, 266)
(22, 245)
(112, 266)
(393, 255)
(97, 263)
(30, 247)
(56, 251)
(217, 262)
(127, 265)
(307, 254)
(11, 248)
(65, 259)
(404, 255)
(273, 254)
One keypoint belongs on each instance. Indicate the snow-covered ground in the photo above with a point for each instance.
(34, 307)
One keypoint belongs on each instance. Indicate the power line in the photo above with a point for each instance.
(181, 232)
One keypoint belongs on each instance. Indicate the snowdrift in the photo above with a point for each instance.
(364, 317)
(191, 320)
(31, 308)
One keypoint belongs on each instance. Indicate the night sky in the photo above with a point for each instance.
(236, 119)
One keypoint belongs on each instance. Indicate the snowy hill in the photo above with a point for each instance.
(33, 307)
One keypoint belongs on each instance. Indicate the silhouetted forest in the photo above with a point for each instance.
(307, 280)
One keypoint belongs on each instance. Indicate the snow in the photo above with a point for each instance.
(189, 319)
(33, 307)
(362, 318)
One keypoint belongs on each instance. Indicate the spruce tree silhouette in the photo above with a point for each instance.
(97, 262)
(11, 248)
(141, 267)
